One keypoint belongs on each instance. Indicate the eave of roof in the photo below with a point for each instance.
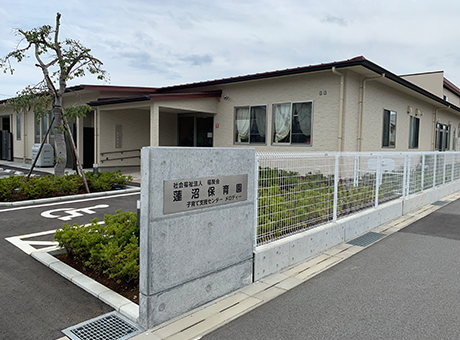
(111, 88)
(265, 75)
(155, 96)
(451, 86)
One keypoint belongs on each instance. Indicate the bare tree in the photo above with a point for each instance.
(60, 61)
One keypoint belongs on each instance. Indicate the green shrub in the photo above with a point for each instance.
(105, 181)
(112, 248)
(17, 188)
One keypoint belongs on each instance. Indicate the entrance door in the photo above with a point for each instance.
(70, 156)
(88, 147)
(195, 131)
(6, 124)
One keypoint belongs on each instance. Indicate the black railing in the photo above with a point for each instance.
(120, 158)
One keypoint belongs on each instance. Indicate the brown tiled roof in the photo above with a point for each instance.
(270, 74)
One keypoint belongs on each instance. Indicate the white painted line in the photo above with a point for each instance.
(37, 234)
(69, 202)
(42, 243)
(24, 246)
(47, 249)
(72, 212)
(27, 246)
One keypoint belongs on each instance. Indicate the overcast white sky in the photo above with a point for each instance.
(168, 42)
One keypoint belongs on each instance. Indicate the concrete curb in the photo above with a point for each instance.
(113, 299)
(68, 198)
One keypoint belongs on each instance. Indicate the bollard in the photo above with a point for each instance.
(95, 169)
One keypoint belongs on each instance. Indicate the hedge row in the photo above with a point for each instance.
(19, 188)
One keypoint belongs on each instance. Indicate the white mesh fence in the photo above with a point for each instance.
(297, 191)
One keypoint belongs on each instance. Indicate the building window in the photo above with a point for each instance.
(41, 127)
(250, 124)
(442, 137)
(389, 129)
(292, 123)
(414, 132)
(18, 126)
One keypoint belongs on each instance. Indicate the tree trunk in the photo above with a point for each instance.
(59, 138)
(74, 148)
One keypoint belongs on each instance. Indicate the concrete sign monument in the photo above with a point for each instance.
(197, 227)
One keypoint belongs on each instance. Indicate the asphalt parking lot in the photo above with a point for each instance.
(37, 303)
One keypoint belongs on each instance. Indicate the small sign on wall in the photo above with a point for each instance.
(199, 193)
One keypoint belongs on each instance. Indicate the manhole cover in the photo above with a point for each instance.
(111, 326)
(366, 239)
(439, 203)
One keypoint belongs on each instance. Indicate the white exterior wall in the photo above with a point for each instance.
(298, 88)
(452, 97)
(351, 111)
(432, 82)
(135, 134)
(379, 97)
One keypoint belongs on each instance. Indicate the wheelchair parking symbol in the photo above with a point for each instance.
(66, 214)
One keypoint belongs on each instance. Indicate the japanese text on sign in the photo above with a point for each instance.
(189, 194)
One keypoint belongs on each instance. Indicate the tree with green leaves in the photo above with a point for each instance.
(59, 61)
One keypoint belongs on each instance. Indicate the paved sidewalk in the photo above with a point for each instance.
(406, 286)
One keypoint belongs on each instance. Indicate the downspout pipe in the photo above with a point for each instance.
(340, 128)
(361, 109)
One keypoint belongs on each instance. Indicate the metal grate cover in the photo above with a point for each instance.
(439, 203)
(111, 326)
(366, 239)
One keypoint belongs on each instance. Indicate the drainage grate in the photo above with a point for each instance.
(111, 326)
(366, 239)
(439, 203)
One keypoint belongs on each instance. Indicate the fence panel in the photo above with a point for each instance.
(297, 191)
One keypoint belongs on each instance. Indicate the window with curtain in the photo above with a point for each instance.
(250, 124)
(292, 123)
(414, 132)
(389, 129)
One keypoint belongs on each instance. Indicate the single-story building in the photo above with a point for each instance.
(351, 105)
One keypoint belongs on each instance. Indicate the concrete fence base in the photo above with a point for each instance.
(281, 254)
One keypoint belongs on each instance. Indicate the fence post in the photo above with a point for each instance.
(404, 184)
(422, 180)
(452, 168)
(356, 172)
(408, 176)
(378, 178)
(434, 169)
(444, 170)
(256, 201)
(336, 187)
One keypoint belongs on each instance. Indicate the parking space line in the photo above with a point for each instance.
(68, 202)
(27, 245)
